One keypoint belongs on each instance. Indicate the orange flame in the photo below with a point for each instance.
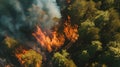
(56, 40)
(19, 52)
(26, 55)
(71, 32)
(47, 42)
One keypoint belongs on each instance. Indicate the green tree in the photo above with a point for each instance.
(62, 60)
(111, 26)
(117, 5)
(83, 58)
(94, 47)
(10, 42)
(32, 59)
(82, 10)
(106, 4)
(117, 37)
(112, 55)
(88, 31)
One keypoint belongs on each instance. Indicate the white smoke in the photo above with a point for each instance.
(47, 11)
(18, 23)
(50, 6)
(16, 5)
(13, 17)
(10, 16)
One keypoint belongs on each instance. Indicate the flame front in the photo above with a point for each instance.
(71, 32)
(56, 40)
(30, 57)
(19, 53)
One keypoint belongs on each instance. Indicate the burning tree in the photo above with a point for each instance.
(50, 38)
(29, 58)
(34, 33)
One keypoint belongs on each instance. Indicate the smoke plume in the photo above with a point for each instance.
(16, 22)
(46, 13)
(34, 24)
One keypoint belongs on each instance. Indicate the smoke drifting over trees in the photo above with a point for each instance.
(59, 33)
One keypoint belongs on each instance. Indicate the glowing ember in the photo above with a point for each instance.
(55, 40)
(28, 57)
(70, 31)
(19, 53)
(48, 42)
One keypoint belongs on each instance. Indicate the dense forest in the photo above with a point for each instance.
(59, 33)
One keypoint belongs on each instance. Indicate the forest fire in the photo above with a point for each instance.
(48, 38)
(70, 31)
(30, 57)
(19, 52)
(56, 39)
(59, 33)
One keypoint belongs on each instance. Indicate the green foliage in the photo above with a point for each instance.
(62, 60)
(93, 32)
(99, 30)
(111, 26)
(86, 54)
(114, 49)
(117, 5)
(87, 23)
(83, 57)
(112, 55)
(117, 37)
(114, 20)
(10, 42)
(106, 4)
(97, 64)
(88, 31)
(32, 59)
(101, 19)
(94, 47)
(82, 10)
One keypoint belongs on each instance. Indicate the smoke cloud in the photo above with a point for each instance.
(50, 6)
(45, 12)
(16, 22)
